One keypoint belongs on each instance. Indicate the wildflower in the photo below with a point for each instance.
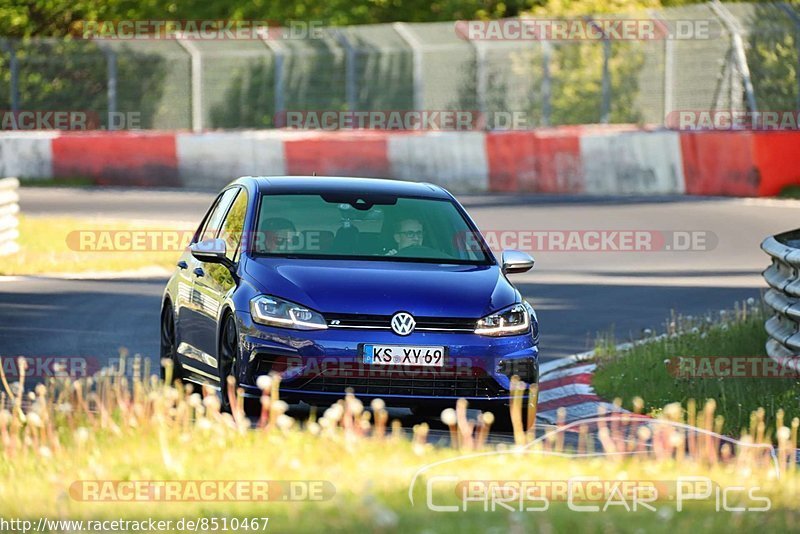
(280, 406)
(449, 416)
(82, 435)
(334, 413)
(211, 403)
(34, 420)
(195, 400)
(284, 422)
(264, 382)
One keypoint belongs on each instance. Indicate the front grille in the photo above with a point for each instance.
(352, 320)
(399, 383)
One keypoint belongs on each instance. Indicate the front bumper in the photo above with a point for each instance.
(318, 366)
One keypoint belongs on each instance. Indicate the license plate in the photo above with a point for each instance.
(403, 355)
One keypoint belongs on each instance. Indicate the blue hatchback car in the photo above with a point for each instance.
(382, 287)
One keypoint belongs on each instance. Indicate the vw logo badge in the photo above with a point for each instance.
(403, 323)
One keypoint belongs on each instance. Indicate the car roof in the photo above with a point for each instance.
(339, 184)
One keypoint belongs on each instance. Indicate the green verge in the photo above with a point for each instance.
(649, 370)
(73, 181)
(790, 191)
(52, 245)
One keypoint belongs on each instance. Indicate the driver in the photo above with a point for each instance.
(277, 234)
(408, 233)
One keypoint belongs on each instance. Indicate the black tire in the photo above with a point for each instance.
(228, 358)
(169, 347)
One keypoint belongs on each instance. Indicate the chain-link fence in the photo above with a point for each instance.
(745, 58)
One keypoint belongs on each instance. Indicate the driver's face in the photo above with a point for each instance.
(278, 240)
(409, 234)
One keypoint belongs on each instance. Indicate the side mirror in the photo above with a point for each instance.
(210, 250)
(213, 251)
(515, 261)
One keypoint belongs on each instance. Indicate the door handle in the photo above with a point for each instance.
(182, 264)
(198, 272)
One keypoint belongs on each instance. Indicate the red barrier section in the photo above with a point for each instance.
(776, 158)
(719, 163)
(338, 154)
(117, 158)
(541, 160)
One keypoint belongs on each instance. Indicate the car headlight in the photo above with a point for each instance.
(274, 311)
(508, 322)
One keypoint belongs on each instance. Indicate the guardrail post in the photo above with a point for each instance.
(197, 82)
(417, 51)
(279, 58)
(605, 110)
(111, 88)
(350, 86)
(669, 72)
(547, 51)
(13, 68)
(481, 78)
(9, 222)
(732, 26)
(796, 20)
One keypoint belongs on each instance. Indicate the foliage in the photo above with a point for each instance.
(647, 367)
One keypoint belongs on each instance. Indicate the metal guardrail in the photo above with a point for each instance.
(783, 296)
(9, 208)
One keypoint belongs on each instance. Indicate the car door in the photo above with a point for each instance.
(191, 304)
(216, 282)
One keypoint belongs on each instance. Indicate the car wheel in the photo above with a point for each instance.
(228, 358)
(169, 347)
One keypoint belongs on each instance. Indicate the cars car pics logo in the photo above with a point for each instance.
(403, 323)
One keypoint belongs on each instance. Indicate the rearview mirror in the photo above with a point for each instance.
(210, 251)
(515, 261)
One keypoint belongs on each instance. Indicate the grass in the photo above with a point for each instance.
(51, 245)
(647, 368)
(790, 191)
(113, 428)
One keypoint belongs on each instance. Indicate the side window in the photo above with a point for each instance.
(233, 226)
(211, 226)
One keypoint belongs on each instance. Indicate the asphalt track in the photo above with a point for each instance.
(577, 294)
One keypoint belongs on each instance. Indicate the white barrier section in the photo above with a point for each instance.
(211, 160)
(9, 223)
(26, 154)
(454, 160)
(640, 163)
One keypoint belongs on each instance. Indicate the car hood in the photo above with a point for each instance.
(383, 288)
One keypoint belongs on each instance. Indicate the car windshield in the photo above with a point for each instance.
(372, 227)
